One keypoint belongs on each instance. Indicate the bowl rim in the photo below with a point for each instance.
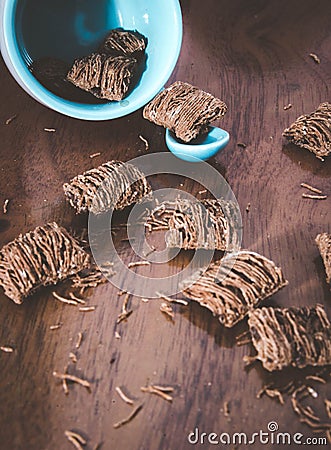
(97, 112)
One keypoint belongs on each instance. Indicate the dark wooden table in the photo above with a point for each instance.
(255, 56)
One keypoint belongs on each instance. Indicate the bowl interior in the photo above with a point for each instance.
(70, 29)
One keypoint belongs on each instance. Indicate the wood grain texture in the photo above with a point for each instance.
(254, 56)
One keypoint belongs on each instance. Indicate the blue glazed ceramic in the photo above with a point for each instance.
(67, 29)
(199, 149)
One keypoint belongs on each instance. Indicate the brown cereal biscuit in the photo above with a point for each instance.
(295, 337)
(46, 255)
(313, 131)
(114, 184)
(185, 110)
(193, 225)
(106, 77)
(323, 242)
(125, 43)
(231, 287)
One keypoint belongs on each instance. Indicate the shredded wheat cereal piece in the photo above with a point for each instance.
(313, 131)
(234, 285)
(124, 42)
(153, 390)
(166, 309)
(68, 301)
(6, 349)
(79, 340)
(5, 206)
(315, 58)
(139, 263)
(73, 378)
(104, 76)
(124, 397)
(145, 141)
(291, 336)
(41, 257)
(114, 184)
(10, 119)
(311, 188)
(129, 418)
(94, 155)
(315, 197)
(87, 308)
(55, 327)
(207, 224)
(184, 109)
(323, 241)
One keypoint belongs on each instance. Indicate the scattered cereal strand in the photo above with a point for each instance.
(79, 340)
(10, 119)
(94, 155)
(87, 308)
(315, 58)
(124, 397)
(55, 327)
(315, 197)
(64, 299)
(5, 206)
(6, 349)
(311, 188)
(139, 263)
(129, 418)
(145, 141)
(73, 378)
(153, 390)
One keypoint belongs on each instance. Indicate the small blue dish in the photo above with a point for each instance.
(199, 149)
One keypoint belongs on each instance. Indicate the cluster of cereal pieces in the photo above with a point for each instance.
(108, 73)
(231, 287)
(49, 254)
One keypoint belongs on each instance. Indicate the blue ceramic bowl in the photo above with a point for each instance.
(67, 29)
(199, 149)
